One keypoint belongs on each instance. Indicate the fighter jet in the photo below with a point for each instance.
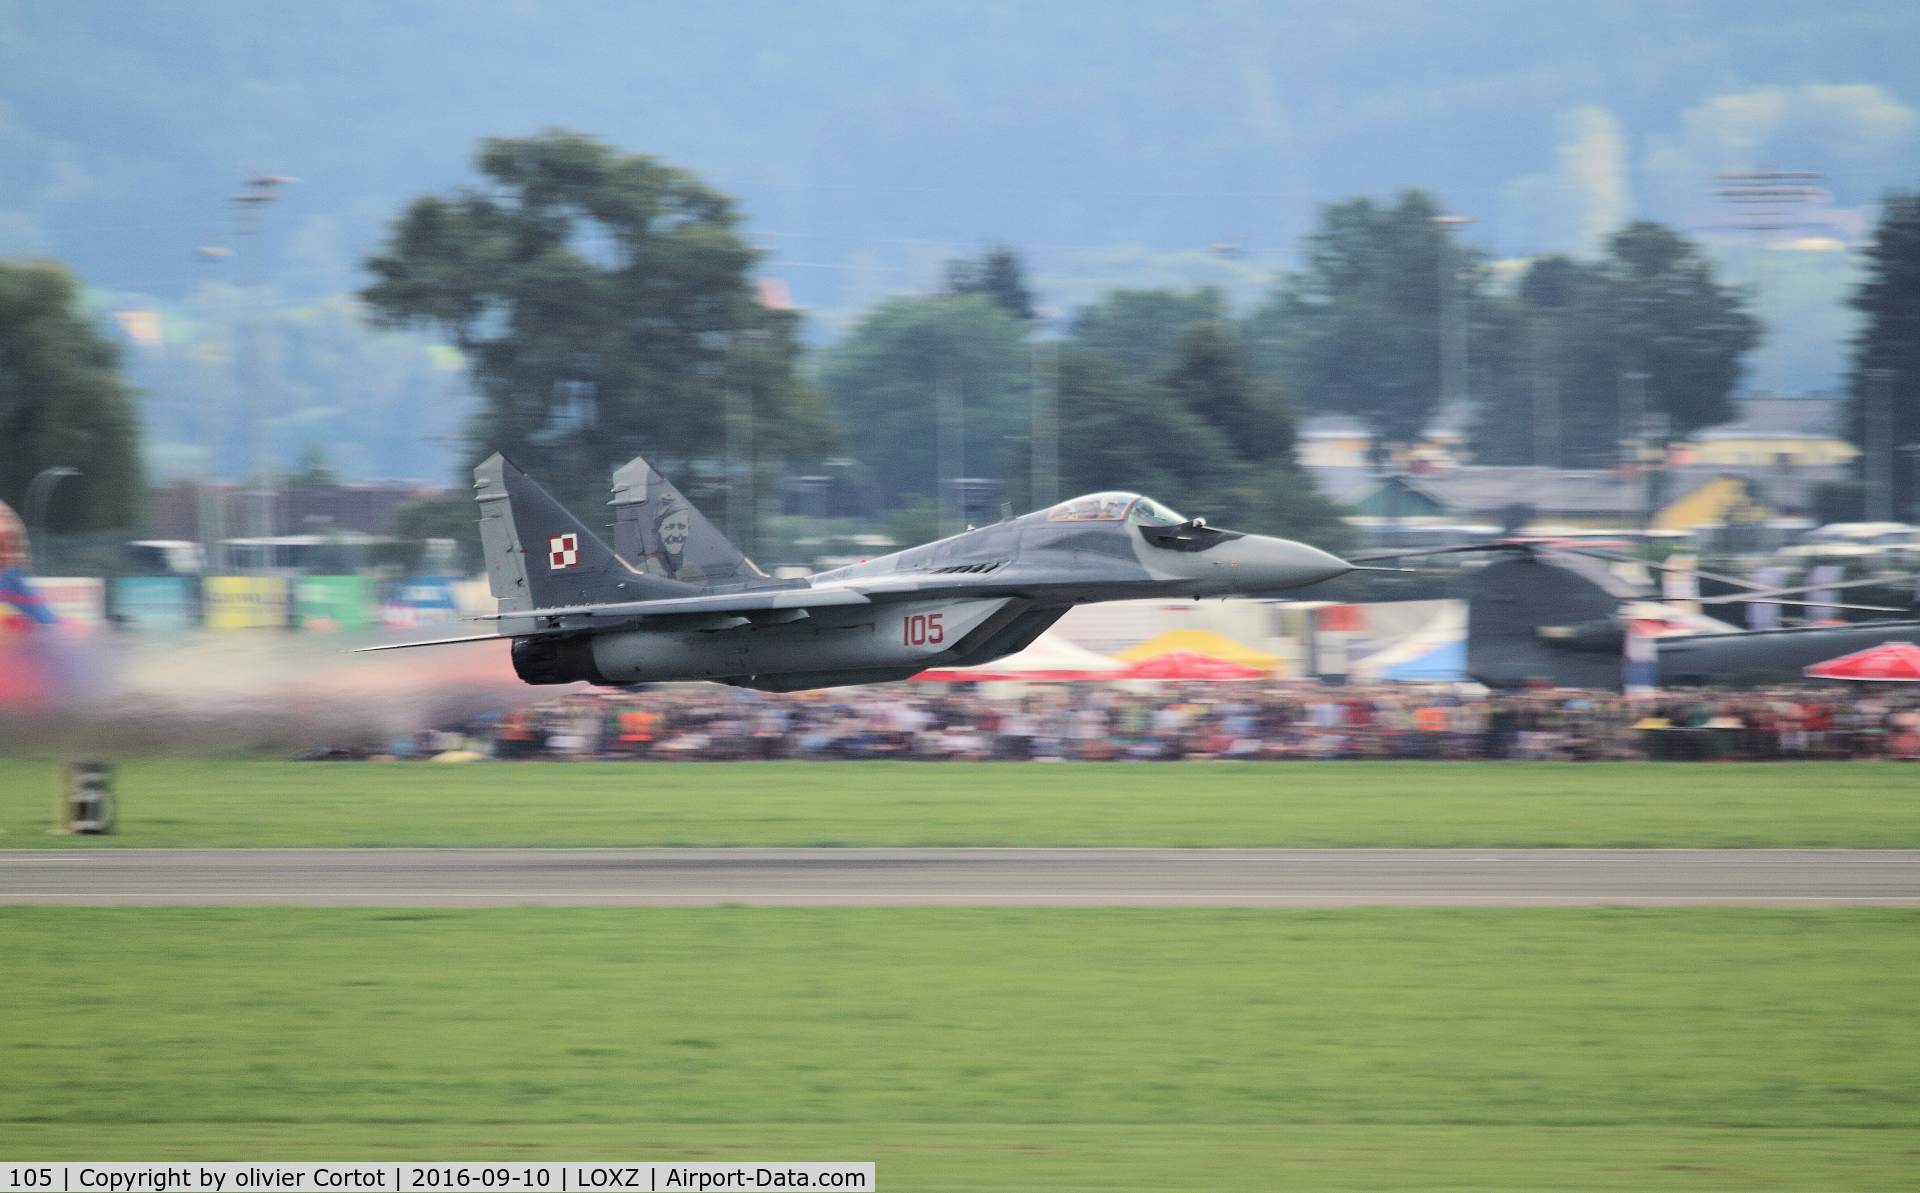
(672, 599)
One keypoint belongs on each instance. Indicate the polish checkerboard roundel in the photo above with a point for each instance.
(563, 551)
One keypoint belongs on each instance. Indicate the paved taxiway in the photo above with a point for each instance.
(958, 877)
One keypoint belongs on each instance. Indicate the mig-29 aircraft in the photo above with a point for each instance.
(672, 599)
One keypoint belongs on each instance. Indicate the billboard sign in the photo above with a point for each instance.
(154, 602)
(245, 602)
(73, 600)
(334, 602)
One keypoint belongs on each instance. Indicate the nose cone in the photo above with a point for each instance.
(1268, 564)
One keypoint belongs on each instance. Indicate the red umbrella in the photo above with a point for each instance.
(1185, 664)
(1898, 661)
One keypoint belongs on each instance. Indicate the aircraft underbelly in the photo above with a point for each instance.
(860, 637)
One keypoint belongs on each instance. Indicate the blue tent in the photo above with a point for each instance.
(1446, 662)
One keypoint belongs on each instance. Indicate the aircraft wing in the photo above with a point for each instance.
(750, 601)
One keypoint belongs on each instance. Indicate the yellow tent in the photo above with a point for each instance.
(1206, 642)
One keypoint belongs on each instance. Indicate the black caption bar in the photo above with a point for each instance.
(419, 1176)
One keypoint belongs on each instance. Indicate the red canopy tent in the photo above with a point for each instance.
(1185, 664)
(1898, 662)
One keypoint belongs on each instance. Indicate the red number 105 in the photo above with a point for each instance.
(922, 628)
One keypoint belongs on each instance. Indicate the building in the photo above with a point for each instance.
(1681, 497)
(187, 511)
(1766, 463)
(1777, 432)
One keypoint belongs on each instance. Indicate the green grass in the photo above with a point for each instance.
(986, 1048)
(183, 802)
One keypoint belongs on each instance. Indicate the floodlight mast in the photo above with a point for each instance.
(259, 517)
(1452, 324)
(1770, 198)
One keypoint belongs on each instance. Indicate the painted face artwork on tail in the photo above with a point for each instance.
(657, 530)
(670, 527)
(672, 599)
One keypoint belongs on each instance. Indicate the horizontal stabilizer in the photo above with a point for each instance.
(729, 602)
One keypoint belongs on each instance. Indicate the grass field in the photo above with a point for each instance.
(986, 1048)
(184, 802)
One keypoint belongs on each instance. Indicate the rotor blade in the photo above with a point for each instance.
(1887, 580)
(1763, 601)
(1661, 567)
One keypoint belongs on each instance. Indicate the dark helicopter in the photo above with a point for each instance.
(1547, 609)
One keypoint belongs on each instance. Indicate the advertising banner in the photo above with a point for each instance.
(334, 602)
(154, 602)
(73, 600)
(245, 602)
(422, 600)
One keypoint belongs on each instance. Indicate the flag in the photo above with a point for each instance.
(1820, 602)
(1640, 662)
(1766, 617)
(20, 605)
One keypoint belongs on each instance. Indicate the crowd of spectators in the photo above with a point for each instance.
(1109, 722)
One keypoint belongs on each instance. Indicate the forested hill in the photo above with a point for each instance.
(869, 139)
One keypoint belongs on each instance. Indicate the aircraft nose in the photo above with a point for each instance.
(1283, 563)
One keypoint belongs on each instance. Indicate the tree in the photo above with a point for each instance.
(1120, 433)
(315, 469)
(1673, 318)
(1652, 306)
(1889, 297)
(63, 403)
(1140, 330)
(998, 275)
(1518, 412)
(1358, 330)
(884, 377)
(605, 306)
(1206, 438)
(448, 516)
(1210, 378)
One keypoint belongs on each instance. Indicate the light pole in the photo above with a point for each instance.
(950, 442)
(39, 492)
(743, 513)
(1912, 452)
(1764, 201)
(1878, 449)
(1045, 481)
(249, 208)
(1452, 323)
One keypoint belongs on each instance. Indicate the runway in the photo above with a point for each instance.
(963, 877)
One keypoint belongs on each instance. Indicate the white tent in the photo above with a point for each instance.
(1049, 658)
(1435, 651)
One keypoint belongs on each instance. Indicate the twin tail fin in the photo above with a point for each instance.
(539, 556)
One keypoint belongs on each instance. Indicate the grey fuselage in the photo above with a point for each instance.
(961, 601)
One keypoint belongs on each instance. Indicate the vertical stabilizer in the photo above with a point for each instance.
(659, 531)
(540, 556)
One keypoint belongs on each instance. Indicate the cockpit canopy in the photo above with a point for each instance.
(1114, 507)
